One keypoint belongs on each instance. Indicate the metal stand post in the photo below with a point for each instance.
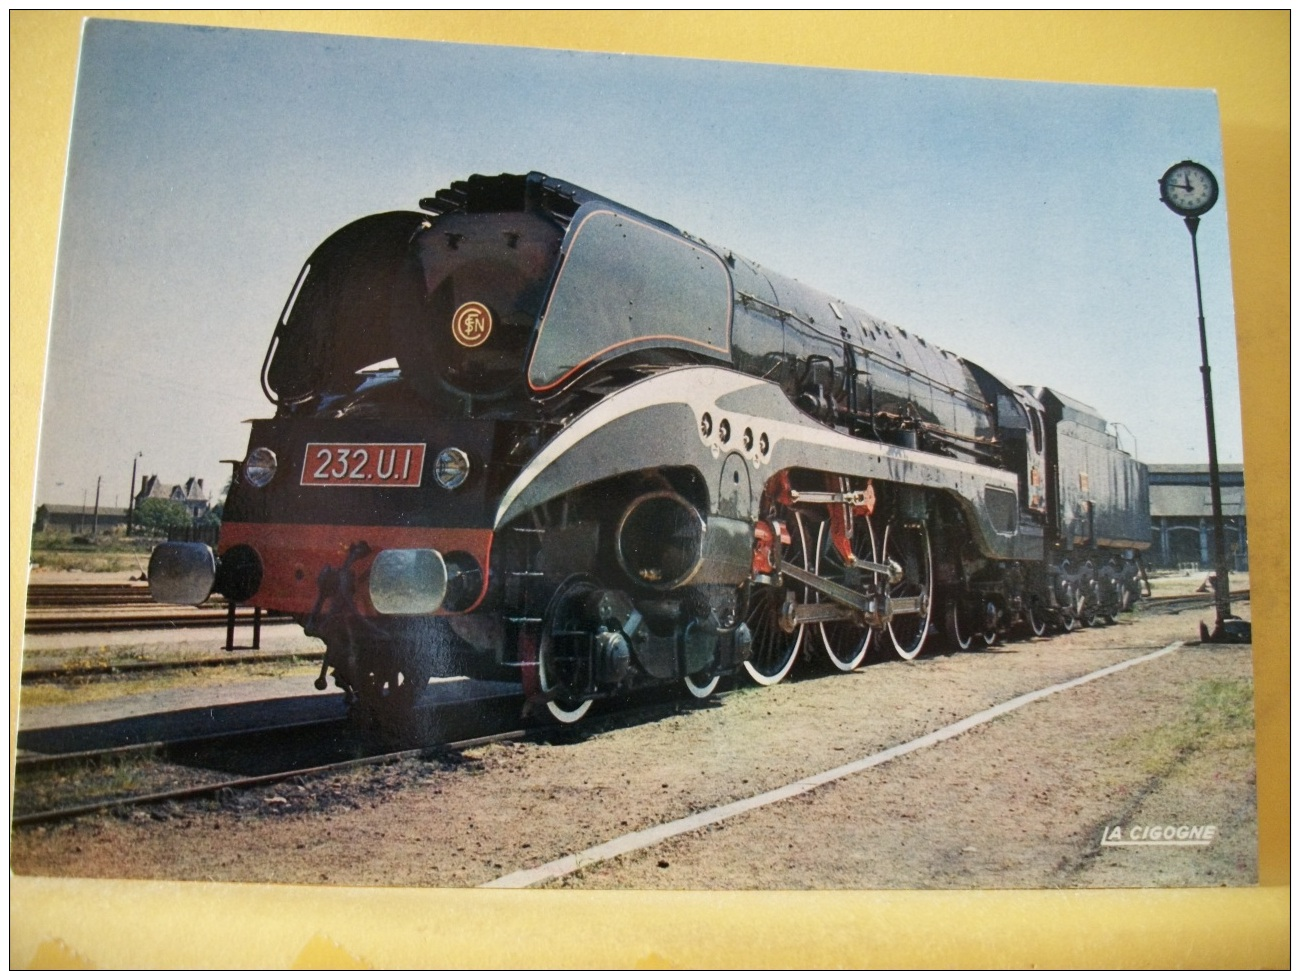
(1222, 599)
(1222, 604)
(230, 630)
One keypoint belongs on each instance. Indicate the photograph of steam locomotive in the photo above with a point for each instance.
(528, 431)
(498, 400)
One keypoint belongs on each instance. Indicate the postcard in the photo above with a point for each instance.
(639, 473)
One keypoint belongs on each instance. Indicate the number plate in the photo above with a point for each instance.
(363, 464)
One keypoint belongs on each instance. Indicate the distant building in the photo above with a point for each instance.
(76, 519)
(1182, 517)
(191, 494)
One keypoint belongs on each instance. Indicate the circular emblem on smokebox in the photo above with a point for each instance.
(471, 324)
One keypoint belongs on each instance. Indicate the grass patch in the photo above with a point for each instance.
(106, 553)
(90, 562)
(1219, 717)
(45, 789)
(109, 542)
(107, 687)
(1223, 714)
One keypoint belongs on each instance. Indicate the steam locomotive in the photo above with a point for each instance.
(528, 432)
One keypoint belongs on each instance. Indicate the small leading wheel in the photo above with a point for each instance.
(390, 677)
(909, 545)
(956, 627)
(1067, 594)
(846, 643)
(701, 685)
(563, 655)
(774, 650)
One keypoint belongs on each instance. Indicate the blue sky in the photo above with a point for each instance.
(1017, 224)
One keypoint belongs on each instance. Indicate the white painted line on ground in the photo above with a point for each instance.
(657, 834)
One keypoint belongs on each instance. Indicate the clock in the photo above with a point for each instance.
(1189, 189)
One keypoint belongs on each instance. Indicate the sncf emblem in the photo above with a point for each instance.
(471, 324)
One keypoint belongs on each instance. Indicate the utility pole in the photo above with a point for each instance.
(130, 496)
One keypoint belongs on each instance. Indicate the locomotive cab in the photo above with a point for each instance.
(334, 323)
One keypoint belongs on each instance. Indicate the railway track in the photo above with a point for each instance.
(96, 669)
(1177, 604)
(77, 595)
(143, 619)
(299, 745)
(182, 769)
(69, 607)
(233, 782)
(62, 786)
(68, 771)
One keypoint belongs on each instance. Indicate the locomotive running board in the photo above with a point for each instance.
(876, 608)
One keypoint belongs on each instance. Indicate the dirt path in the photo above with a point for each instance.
(1020, 802)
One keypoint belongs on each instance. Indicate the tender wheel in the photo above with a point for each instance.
(845, 642)
(1085, 603)
(774, 650)
(1108, 595)
(989, 632)
(1034, 618)
(701, 685)
(1130, 588)
(909, 545)
(563, 654)
(955, 626)
(1067, 594)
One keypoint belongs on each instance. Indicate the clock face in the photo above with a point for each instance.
(1189, 189)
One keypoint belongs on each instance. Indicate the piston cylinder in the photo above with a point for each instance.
(663, 542)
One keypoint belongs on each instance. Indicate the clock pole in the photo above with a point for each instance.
(1190, 190)
(1222, 605)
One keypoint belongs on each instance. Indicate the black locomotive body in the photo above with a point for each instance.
(529, 432)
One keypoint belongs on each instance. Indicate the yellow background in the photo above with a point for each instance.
(1244, 56)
